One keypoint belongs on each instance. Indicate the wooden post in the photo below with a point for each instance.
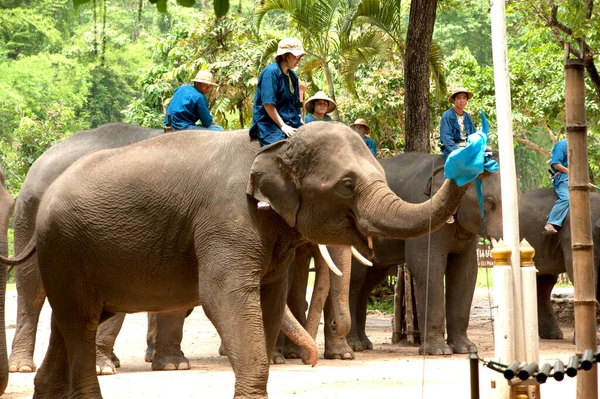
(410, 317)
(530, 315)
(504, 340)
(581, 226)
(398, 305)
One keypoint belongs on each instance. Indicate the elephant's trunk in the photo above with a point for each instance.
(340, 322)
(292, 328)
(382, 213)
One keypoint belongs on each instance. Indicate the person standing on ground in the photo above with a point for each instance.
(318, 107)
(560, 167)
(360, 125)
(277, 105)
(456, 124)
(189, 105)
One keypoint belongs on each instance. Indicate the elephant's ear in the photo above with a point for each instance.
(434, 181)
(271, 181)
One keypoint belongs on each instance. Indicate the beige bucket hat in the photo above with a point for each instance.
(205, 77)
(460, 90)
(290, 45)
(310, 103)
(362, 122)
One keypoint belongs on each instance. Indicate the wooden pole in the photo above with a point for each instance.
(581, 225)
(504, 342)
(508, 180)
(398, 306)
(530, 315)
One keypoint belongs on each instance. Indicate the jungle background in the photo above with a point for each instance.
(65, 68)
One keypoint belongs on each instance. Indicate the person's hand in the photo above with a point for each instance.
(288, 130)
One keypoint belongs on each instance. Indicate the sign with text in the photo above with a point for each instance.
(484, 256)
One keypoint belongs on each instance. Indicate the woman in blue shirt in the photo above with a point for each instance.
(318, 106)
(276, 111)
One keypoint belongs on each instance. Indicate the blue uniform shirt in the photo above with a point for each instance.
(559, 154)
(274, 88)
(311, 118)
(187, 106)
(450, 130)
(372, 144)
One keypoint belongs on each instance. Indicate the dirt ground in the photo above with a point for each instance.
(388, 371)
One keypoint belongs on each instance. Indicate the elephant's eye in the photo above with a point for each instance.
(490, 204)
(345, 187)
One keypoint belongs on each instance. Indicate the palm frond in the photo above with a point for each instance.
(358, 50)
(385, 15)
(437, 70)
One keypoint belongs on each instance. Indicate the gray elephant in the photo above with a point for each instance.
(448, 255)
(553, 253)
(31, 294)
(194, 196)
(6, 205)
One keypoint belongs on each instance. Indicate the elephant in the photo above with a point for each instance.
(193, 218)
(553, 254)
(6, 205)
(448, 254)
(31, 294)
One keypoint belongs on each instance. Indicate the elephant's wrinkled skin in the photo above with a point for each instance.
(6, 204)
(43, 172)
(452, 256)
(553, 253)
(194, 196)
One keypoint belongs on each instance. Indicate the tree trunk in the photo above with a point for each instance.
(416, 74)
(329, 79)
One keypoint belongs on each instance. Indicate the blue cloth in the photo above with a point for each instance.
(274, 88)
(450, 130)
(466, 163)
(187, 106)
(561, 184)
(372, 144)
(211, 127)
(311, 118)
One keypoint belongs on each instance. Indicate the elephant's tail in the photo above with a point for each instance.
(27, 253)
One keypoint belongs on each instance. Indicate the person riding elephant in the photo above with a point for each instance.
(553, 253)
(190, 105)
(6, 205)
(559, 162)
(277, 103)
(360, 125)
(318, 108)
(444, 264)
(204, 243)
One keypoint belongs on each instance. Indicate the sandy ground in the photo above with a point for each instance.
(388, 371)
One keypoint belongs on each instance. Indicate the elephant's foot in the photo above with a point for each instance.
(461, 345)
(149, 356)
(338, 348)
(21, 363)
(105, 364)
(357, 344)
(550, 331)
(435, 346)
(172, 361)
(292, 351)
(277, 357)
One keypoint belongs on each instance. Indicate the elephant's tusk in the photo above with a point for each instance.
(328, 260)
(361, 258)
(370, 241)
(494, 242)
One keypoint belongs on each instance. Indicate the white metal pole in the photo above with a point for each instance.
(530, 314)
(504, 343)
(508, 181)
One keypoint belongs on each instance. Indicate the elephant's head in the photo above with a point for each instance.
(324, 182)
(6, 205)
(469, 215)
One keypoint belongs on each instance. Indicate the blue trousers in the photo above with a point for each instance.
(561, 206)
(200, 127)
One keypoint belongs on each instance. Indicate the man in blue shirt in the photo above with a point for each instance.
(189, 104)
(276, 111)
(560, 166)
(456, 124)
(360, 125)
